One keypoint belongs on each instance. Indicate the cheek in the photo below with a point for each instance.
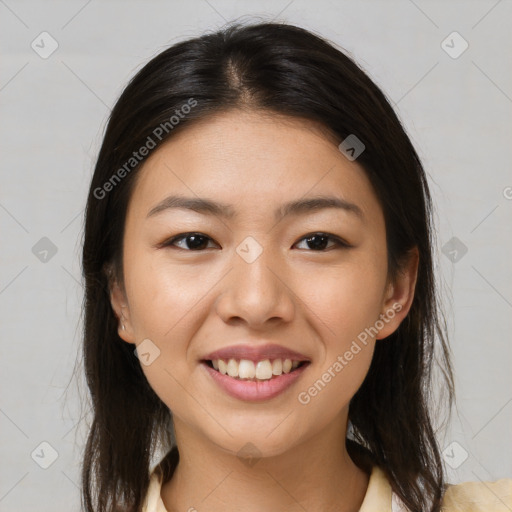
(163, 305)
(346, 304)
(345, 299)
(165, 297)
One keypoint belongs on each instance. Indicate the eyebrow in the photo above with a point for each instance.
(297, 207)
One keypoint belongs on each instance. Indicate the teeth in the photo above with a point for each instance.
(262, 370)
(232, 368)
(246, 369)
(223, 367)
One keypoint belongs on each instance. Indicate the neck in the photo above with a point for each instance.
(317, 474)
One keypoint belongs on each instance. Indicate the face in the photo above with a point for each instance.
(310, 281)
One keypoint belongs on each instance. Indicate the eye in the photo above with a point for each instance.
(319, 240)
(195, 241)
(199, 241)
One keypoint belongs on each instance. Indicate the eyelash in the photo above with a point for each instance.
(338, 241)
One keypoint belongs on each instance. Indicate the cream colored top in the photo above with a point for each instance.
(465, 497)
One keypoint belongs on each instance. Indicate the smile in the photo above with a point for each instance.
(259, 370)
(254, 380)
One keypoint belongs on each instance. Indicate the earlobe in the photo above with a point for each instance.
(399, 295)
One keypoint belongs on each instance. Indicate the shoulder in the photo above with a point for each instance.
(153, 501)
(480, 496)
(161, 473)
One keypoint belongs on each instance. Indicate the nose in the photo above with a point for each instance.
(257, 292)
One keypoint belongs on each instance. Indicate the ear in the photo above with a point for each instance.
(399, 295)
(121, 309)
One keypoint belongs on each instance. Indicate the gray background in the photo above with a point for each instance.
(456, 110)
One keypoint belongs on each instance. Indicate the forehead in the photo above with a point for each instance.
(254, 161)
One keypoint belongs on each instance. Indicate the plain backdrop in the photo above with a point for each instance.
(452, 91)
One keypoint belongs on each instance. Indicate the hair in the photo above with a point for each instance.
(283, 70)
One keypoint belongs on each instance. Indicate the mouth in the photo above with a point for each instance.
(254, 381)
(254, 371)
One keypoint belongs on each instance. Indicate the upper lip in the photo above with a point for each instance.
(256, 353)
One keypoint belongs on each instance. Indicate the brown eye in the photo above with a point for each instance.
(318, 241)
(191, 241)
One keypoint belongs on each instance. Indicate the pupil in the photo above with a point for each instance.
(197, 241)
(320, 245)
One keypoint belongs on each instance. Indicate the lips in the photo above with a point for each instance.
(251, 390)
(275, 369)
(255, 353)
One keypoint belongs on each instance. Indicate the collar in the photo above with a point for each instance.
(379, 495)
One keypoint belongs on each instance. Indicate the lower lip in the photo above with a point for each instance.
(254, 391)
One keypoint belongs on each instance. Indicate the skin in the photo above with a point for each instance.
(189, 303)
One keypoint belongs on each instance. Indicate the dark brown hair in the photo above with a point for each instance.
(286, 70)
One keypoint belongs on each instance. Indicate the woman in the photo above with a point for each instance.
(258, 228)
